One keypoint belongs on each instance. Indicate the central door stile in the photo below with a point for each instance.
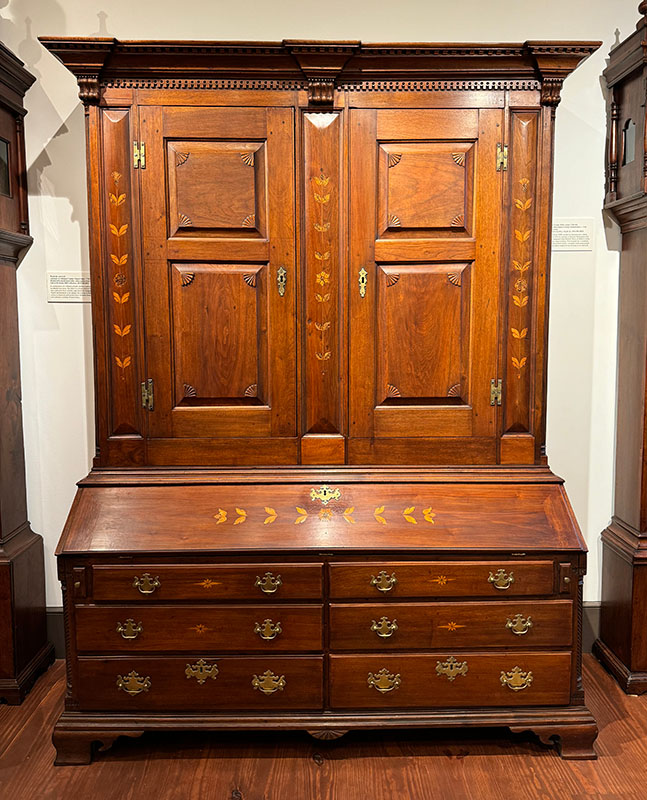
(323, 357)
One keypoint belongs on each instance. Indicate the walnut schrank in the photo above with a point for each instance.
(320, 499)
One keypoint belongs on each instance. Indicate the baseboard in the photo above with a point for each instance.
(590, 627)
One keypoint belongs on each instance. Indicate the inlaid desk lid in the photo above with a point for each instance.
(316, 516)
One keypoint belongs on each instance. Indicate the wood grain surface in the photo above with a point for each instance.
(362, 766)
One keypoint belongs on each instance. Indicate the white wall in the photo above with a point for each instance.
(56, 339)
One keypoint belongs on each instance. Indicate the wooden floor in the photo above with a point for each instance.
(434, 766)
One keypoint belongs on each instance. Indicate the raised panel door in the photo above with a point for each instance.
(219, 277)
(424, 284)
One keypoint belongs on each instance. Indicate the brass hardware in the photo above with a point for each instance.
(268, 630)
(384, 628)
(496, 392)
(148, 397)
(501, 157)
(516, 679)
(501, 580)
(133, 683)
(325, 494)
(201, 670)
(130, 630)
(567, 579)
(268, 583)
(519, 625)
(269, 683)
(384, 681)
(363, 281)
(146, 584)
(451, 668)
(384, 583)
(139, 155)
(281, 280)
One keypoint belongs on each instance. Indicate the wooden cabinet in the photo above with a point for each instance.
(622, 646)
(24, 649)
(319, 297)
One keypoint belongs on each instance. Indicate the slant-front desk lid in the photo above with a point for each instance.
(344, 513)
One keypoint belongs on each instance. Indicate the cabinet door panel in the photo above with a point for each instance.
(218, 229)
(424, 274)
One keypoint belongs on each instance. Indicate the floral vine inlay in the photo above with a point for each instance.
(520, 266)
(321, 194)
(119, 258)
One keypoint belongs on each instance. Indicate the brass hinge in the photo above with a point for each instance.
(139, 155)
(501, 157)
(147, 394)
(496, 392)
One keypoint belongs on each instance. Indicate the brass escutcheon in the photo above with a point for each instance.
(384, 681)
(384, 628)
(281, 280)
(269, 683)
(362, 280)
(268, 583)
(516, 679)
(501, 580)
(130, 630)
(451, 668)
(201, 670)
(384, 582)
(147, 584)
(518, 625)
(325, 494)
(133, 683)
(268, 629)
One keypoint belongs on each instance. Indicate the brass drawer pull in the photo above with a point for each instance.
(268, 630)
(133, 683)
(501, 580)
(518, 625)
(268, 583)
(269, 683)
(516, 679)
(384, 681)
(130, 630)
(384, 582)
(147, 584)
(451, 668)
(201, 670)
(384, 628)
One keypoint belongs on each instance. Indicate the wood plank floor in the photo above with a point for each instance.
(390, 766)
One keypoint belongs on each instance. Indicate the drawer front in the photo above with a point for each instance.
(210, 628)
(200, 683)
(450, 680)
(411, 626)
(369, 580)
(152, 582)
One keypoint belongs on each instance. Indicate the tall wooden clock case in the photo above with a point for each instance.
(24, 650)
(320, 499)
(622, 645)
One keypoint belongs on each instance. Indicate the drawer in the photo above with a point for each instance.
(450, 680)
(219, 628)
(207, 582)
(440, 579)
(411, 626)
(200, 682)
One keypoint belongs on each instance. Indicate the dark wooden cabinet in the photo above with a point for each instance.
(622, 646)
(319, 296)
(24, 650)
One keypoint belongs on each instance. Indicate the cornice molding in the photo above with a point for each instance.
(320, 66)
(13, 246)
(14, 80)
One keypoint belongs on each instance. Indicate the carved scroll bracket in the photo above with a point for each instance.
(321, 63)
(554, 63)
